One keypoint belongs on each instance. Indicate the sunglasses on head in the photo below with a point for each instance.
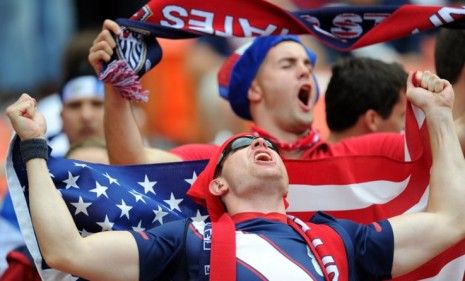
(235, 145)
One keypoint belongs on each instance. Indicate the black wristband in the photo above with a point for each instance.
(33, 148)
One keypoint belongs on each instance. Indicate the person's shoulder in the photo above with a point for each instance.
(383, 144)
(374, 137)
(350, 227)
(168, 229)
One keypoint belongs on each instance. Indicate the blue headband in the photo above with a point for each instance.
(238, 72)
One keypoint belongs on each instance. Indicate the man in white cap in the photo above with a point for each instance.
(82, 113)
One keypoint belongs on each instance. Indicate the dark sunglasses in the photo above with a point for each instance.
(235, 145)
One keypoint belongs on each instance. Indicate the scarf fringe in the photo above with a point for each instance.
(124, 79)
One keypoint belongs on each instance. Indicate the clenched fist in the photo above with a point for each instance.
(27, 122)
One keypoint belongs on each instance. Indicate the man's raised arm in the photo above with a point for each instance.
(125, 143)
(421, 236)
(103, 256)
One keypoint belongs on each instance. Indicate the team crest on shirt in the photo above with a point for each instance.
(132, 48)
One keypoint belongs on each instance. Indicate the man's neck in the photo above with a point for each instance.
(286, 136)
(283, 135)
(258, 204)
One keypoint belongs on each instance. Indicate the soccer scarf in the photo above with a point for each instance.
(343, 28)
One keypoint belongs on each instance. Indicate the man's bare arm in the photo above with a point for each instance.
(124, 141)
(421, 236)
(103, 256)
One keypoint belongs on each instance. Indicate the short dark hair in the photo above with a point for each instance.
(360, 84)
(449, 54)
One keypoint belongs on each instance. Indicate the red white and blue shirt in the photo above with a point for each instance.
(267, 248)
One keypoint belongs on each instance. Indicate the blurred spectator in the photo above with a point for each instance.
(80, 99)
(449, 58)
(364, 96)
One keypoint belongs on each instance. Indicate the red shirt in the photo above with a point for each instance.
(386, 144)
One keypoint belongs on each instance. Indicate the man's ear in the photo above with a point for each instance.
(371, 119)
(218, 187)
(255, 92)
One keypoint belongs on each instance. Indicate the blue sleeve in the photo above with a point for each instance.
(372, 248)
(159, 248)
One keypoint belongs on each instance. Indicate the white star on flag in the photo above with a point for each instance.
(198, 217)
(81, 206)
(124, 209)
(110, 179)
(191, 180)
(71, 181)
(138, 196)
(148, 185)
(159, 214)
(99, 190)
(139, 227)
(173, 202)
(106, 225)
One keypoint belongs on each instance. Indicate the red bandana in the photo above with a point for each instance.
(303, 143)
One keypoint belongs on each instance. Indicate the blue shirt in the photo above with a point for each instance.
(265, 250)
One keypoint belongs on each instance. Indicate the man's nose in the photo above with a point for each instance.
(86, 112)
(304, 71)
(259, 143)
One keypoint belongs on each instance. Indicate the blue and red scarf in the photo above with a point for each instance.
(343, 28)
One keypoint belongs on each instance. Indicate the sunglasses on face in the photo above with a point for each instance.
(235, 145)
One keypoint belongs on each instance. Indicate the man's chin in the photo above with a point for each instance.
(303, 125)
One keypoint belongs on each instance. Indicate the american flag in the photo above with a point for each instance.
(102, 197)
(105, 198)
